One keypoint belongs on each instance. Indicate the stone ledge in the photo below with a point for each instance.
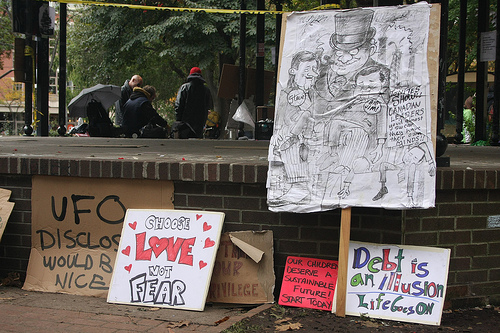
(234, 172)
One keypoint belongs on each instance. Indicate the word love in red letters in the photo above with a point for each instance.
(171, 247)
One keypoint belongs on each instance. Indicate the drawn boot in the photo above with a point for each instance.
(344, 192)
(381, 193)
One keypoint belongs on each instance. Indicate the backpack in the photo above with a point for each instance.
(212, 130)
(99, 123)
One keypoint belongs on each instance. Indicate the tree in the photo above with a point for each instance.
(471, 34)
(6, 35)
(108, 44)
(12, 98)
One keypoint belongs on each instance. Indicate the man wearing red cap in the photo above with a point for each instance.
(191, 106)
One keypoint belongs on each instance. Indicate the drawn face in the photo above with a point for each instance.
(305, 74)
(349, 61)
(369, 83)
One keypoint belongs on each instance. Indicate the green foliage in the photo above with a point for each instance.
(165, 108)
(471, 33)
(480, 143)
(242, 327)
(6, 34)
(108, 45)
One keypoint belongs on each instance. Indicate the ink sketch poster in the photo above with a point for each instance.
(396, 282)
(166, 258)
(353, 117)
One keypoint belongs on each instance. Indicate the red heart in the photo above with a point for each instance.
(206, 226)
(208, 243)
(198, 217)
(158, 245)
(202, 264)
(128, 268)
(133, 225)
(126, 251)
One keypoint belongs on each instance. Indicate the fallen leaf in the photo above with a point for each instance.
(288, 327)
(282, 320)
(179, 324)
(370, 324)
(221, 320)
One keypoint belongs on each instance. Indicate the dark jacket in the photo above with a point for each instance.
(138, 112)
(126, 91)
(192, 105)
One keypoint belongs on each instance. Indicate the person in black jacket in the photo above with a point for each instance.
(191, 106)
(139, 116)
(126, 91)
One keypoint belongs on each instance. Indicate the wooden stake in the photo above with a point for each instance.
(345, 232)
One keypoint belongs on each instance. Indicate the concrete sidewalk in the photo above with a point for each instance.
(27, 311)
(191, 151)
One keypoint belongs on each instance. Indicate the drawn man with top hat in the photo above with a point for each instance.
(352, 45)
(355, 89)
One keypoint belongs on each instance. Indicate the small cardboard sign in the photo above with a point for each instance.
(166, 258)
(244, 269)
(76, 225)
(397, 282)
(5, 209)
(309, 283)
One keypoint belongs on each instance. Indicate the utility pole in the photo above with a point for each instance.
(62, 69)
(29, 60)
(259, 76)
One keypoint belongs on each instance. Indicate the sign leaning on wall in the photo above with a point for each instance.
(76, 225)
(166, 258)
(353, 117)
(397, 282)
(309, 283)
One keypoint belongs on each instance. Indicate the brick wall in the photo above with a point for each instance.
(464, 220)
(16, 241)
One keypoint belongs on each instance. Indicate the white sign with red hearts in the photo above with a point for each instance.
(166, 258)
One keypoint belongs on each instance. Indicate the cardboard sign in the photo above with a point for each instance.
(309, 283)
(166, 258)
(404, 283)
(5, 209)
(244, 269)
(76, 229)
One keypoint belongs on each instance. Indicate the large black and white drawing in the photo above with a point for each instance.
(353, 120)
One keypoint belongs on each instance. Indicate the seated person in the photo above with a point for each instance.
(139, 112)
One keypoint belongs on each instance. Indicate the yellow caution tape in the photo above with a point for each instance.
(177, 9)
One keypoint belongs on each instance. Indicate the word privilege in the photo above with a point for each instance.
(230, 289)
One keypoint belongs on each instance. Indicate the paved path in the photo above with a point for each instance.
(192, 150)
(38, 312)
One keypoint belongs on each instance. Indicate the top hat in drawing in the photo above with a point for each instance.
(352, 29)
